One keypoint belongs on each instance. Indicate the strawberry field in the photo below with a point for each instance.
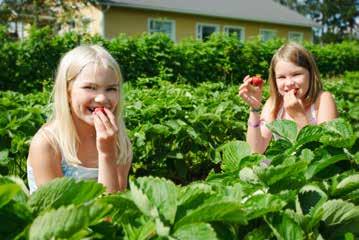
(193, 176)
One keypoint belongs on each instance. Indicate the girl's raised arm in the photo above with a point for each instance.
(258, 136)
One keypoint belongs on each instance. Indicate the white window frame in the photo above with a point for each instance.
(227, 27)
(299, 33)
(199, 32)
(18, 28)
(267, 30)
(172, 22)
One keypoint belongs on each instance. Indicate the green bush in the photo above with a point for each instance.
(175, 128)
(27, 63)
(307, 190)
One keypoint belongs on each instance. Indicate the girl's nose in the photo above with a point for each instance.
(100, 98)
(290, 81)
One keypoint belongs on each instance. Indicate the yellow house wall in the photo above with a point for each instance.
(94, 14)
(134, 22)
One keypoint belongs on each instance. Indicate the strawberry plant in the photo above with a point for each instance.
(308, 191)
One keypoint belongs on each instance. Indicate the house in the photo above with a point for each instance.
(198, 19)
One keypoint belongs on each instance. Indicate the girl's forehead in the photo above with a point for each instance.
(97, 73)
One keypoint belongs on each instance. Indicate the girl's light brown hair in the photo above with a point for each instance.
(298, 55)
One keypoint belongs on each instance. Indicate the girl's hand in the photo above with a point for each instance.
(106, 133)
(252, 95)
(293, 106)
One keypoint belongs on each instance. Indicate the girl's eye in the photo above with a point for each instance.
(112, 89)
(89, 87)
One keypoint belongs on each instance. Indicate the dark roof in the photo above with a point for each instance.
(250, 10)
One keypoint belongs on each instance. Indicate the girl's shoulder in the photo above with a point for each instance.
(324, 99)
(325, 107)
(44, 141)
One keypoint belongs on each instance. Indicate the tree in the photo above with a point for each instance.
(39, 13)
(337, 17)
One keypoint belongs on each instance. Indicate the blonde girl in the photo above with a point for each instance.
(296, 93)
(85, 138)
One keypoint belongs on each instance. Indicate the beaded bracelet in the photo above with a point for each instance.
(254, 125)
(256, 110)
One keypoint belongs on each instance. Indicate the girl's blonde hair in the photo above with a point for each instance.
(65, 132)
(298, 55)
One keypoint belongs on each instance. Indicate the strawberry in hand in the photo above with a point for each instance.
(257, 81)
(100, 109)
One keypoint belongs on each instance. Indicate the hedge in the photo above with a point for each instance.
(29, 64)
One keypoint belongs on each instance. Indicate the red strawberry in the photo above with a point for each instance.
(100, 109)
(257, 81)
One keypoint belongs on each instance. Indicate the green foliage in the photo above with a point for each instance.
(177, 129)
(29, 65)
(21, 117)
(315, 207)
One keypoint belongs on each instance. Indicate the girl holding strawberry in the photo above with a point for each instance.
(296, 93)
(85, 138)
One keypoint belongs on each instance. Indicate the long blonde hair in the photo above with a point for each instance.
(65, 132)
(298, 55)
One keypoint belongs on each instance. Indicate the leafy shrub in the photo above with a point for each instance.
(26, 64)
(175, 128)
(308, 191)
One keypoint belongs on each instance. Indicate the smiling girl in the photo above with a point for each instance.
(85, 138)
(296, 93)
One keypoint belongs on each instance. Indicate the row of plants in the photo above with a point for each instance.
(305, 187)
(175, 128)
(29, 64)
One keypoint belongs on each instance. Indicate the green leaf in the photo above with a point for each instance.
(142, 202)
(347, 185)
(259, 233)
(307, 155)
(4, 157)
(309, 197)
(191, 197)
(339, 133)
(310, 133)
(284, 227)
(201, 231)
(64, 191)
(260, 205)
(143, 232)
(21, 196)
(278, 150)
(124, 209)
(67, 221)
(247, 174)
(285, 129)
(162, 194)
(220, 210)
(273, 174)
(339, 212)
(323, 163)
(7, 193)
(231, 154)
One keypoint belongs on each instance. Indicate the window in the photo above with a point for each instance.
(205, 30)
(267, 34)
(163, 26)
(295, 37)
(16, 29)
(238, 31)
